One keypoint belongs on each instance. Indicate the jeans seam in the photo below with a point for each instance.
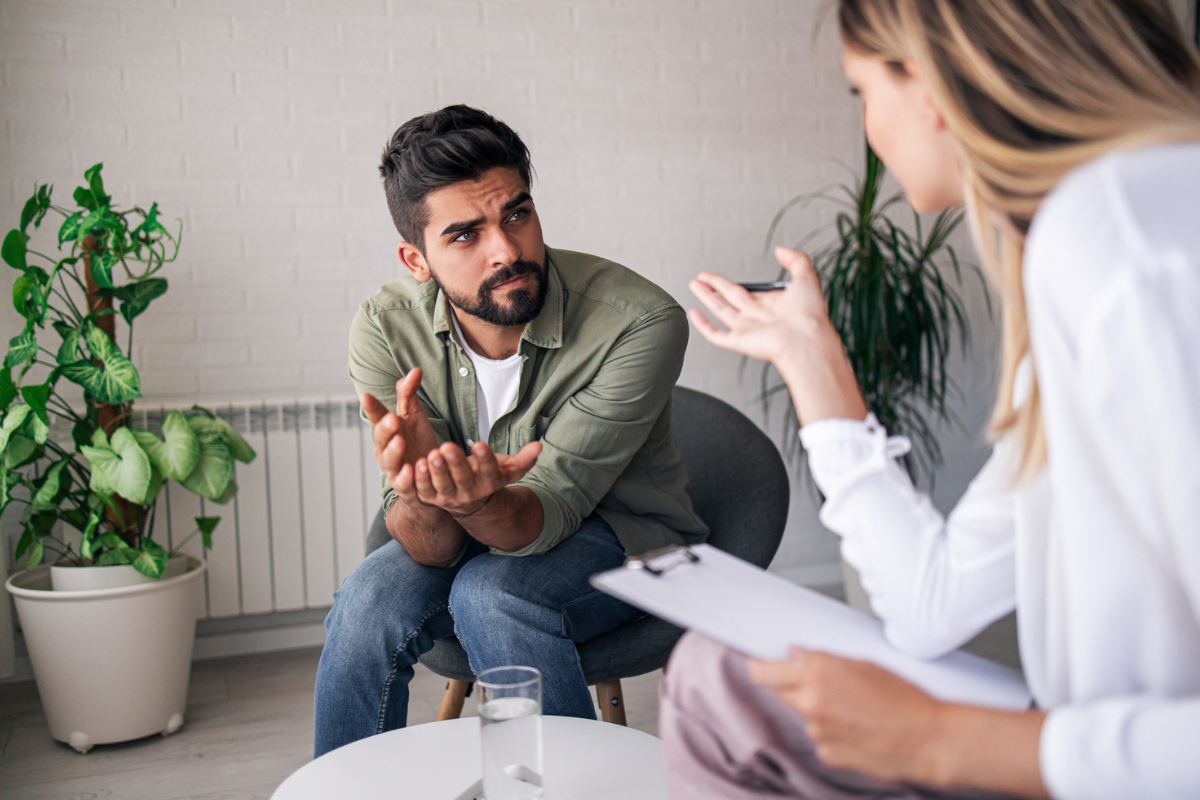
(391, 678)
(562, 611)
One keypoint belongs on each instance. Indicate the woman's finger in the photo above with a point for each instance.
(709, 331)
(798, 264)
(725, 313)
(733, 293)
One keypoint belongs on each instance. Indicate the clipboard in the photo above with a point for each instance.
(762, 615)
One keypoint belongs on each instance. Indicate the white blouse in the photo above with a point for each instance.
(1100, 554)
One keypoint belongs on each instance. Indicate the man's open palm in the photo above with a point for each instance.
(403, 436)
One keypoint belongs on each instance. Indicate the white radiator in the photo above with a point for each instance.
(297, 526)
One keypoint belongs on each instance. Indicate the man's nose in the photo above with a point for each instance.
(502, 248)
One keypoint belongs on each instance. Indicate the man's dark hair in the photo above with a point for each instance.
(457, 143)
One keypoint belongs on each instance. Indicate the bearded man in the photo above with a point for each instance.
(519, 398)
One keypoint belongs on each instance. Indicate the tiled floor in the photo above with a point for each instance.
(249, 726)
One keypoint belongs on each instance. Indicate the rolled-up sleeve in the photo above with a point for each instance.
(594, 436)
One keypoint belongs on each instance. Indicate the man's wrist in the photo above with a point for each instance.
(463, 513)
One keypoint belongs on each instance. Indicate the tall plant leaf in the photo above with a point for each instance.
(22, 349)
(14, 248)
(239, 448)
(214, 469)
(176, 454)
(122, 468)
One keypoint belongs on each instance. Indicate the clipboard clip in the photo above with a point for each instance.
(664, 564)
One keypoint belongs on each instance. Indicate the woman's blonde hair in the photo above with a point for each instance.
(1030, 90)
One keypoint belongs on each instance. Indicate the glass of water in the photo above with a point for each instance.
(510, 719)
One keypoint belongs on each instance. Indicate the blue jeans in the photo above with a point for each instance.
(505, 610)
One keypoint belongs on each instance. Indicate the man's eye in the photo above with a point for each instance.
(518, 215)
(465, 236)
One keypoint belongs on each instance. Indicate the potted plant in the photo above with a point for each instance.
(892, 296)
(110, 624)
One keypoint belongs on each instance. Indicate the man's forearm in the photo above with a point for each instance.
(511, 519)
(428, 534)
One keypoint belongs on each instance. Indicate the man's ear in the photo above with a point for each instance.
(413, 261)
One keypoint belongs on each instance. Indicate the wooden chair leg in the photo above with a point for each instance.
(452, 699)
(612, 702)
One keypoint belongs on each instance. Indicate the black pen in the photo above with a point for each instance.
(773, 286)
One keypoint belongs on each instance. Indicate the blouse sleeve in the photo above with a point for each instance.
(1139, 414)
(934, 582)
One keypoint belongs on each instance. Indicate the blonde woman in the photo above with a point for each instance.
(1070, 128)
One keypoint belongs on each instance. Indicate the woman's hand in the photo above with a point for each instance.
(863, 718)
(762, 325)
(789, 328)
(860, 716)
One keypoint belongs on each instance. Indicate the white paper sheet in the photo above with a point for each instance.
(762, 615)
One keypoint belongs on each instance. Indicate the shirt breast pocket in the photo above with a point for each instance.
(532, 433)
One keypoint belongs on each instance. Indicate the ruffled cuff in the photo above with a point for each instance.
(842, 452)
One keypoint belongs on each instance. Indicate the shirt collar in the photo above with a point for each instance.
(546, 329)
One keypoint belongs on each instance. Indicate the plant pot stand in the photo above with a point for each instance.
(111, 664)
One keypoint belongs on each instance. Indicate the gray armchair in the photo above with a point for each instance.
(738, 486)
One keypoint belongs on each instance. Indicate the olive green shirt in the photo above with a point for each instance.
(597, 368)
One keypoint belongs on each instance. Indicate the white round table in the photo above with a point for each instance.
(584, 760)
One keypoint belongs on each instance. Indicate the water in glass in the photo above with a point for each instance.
(511, 729)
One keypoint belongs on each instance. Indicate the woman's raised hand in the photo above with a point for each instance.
(762, 325)
(789, 328)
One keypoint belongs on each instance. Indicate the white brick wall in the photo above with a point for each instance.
(665, 134)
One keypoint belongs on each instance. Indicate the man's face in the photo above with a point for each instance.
(483, 245)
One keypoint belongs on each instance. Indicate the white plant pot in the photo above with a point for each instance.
(111, 664)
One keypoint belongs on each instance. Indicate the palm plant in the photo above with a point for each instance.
(889, 299)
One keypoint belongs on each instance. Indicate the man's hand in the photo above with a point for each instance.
(401, 437)
(462, 485)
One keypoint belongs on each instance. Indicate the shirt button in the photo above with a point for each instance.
(463, 371)
(470, 442)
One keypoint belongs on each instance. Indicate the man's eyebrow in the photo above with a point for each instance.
(523, 197)
(459, 227)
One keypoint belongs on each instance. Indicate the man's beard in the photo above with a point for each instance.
(524, 304)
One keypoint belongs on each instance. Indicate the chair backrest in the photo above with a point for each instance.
(736, 478)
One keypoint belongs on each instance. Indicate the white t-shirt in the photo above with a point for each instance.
(1100, 554)
(496, 384)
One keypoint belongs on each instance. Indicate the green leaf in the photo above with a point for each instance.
(137, 296)
(68, 351)
(13, 249)
(81, 433)
(207, 525)
(8, 389)
(13, 420)
(123, 468)
(5, 477)
(71, 229)
(21, 349)
(36, 397)
(151, 560)
(46, 498)
(101, 264)
(175, 457)
(35, 207)
(116, 556)
(84, 198)
(115, 380)
(229, 493)
(239, 448)
(33, 556)
(21, 290)
(214, 469)
(96, 183)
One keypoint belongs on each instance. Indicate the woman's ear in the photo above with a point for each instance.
(924, 95)
(413, 261)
